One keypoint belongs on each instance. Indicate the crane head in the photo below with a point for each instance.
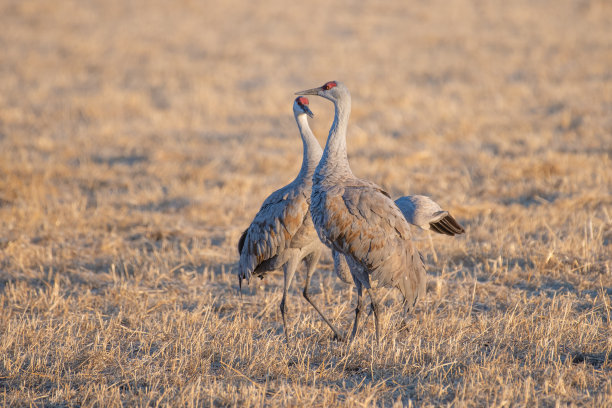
(332, 90)
(300, 106)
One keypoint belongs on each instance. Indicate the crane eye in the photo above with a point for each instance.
(329, 85)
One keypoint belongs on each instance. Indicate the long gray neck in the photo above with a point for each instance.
(334, 163)
(312, 148)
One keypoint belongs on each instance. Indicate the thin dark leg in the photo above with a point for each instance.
(358, 310)
(289, 269)
(376, 309)
(312, 263)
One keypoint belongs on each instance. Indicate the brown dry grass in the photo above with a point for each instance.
(138, 139)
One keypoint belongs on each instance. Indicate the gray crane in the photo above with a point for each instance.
(282, 233)
(358, 219)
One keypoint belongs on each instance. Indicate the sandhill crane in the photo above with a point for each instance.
(282, 233)
(420, 211)
(358, 219)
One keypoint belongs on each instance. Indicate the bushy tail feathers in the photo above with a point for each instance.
(241, 241)
(414, 283)
(243, 271)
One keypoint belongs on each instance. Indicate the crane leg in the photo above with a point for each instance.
(376, 309)
(312, 264)
(289, 270)
(358, 309)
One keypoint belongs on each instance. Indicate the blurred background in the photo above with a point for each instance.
(174, 119)
(181, 111)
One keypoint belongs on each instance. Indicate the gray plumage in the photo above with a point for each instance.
(358, 219)
(282, 233)
(420, 211)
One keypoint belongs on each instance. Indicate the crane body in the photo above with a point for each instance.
(282, 233)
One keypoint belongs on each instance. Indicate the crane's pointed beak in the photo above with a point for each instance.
(308, 111)
(313, 91)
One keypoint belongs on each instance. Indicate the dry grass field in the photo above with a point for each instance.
(139, 138)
